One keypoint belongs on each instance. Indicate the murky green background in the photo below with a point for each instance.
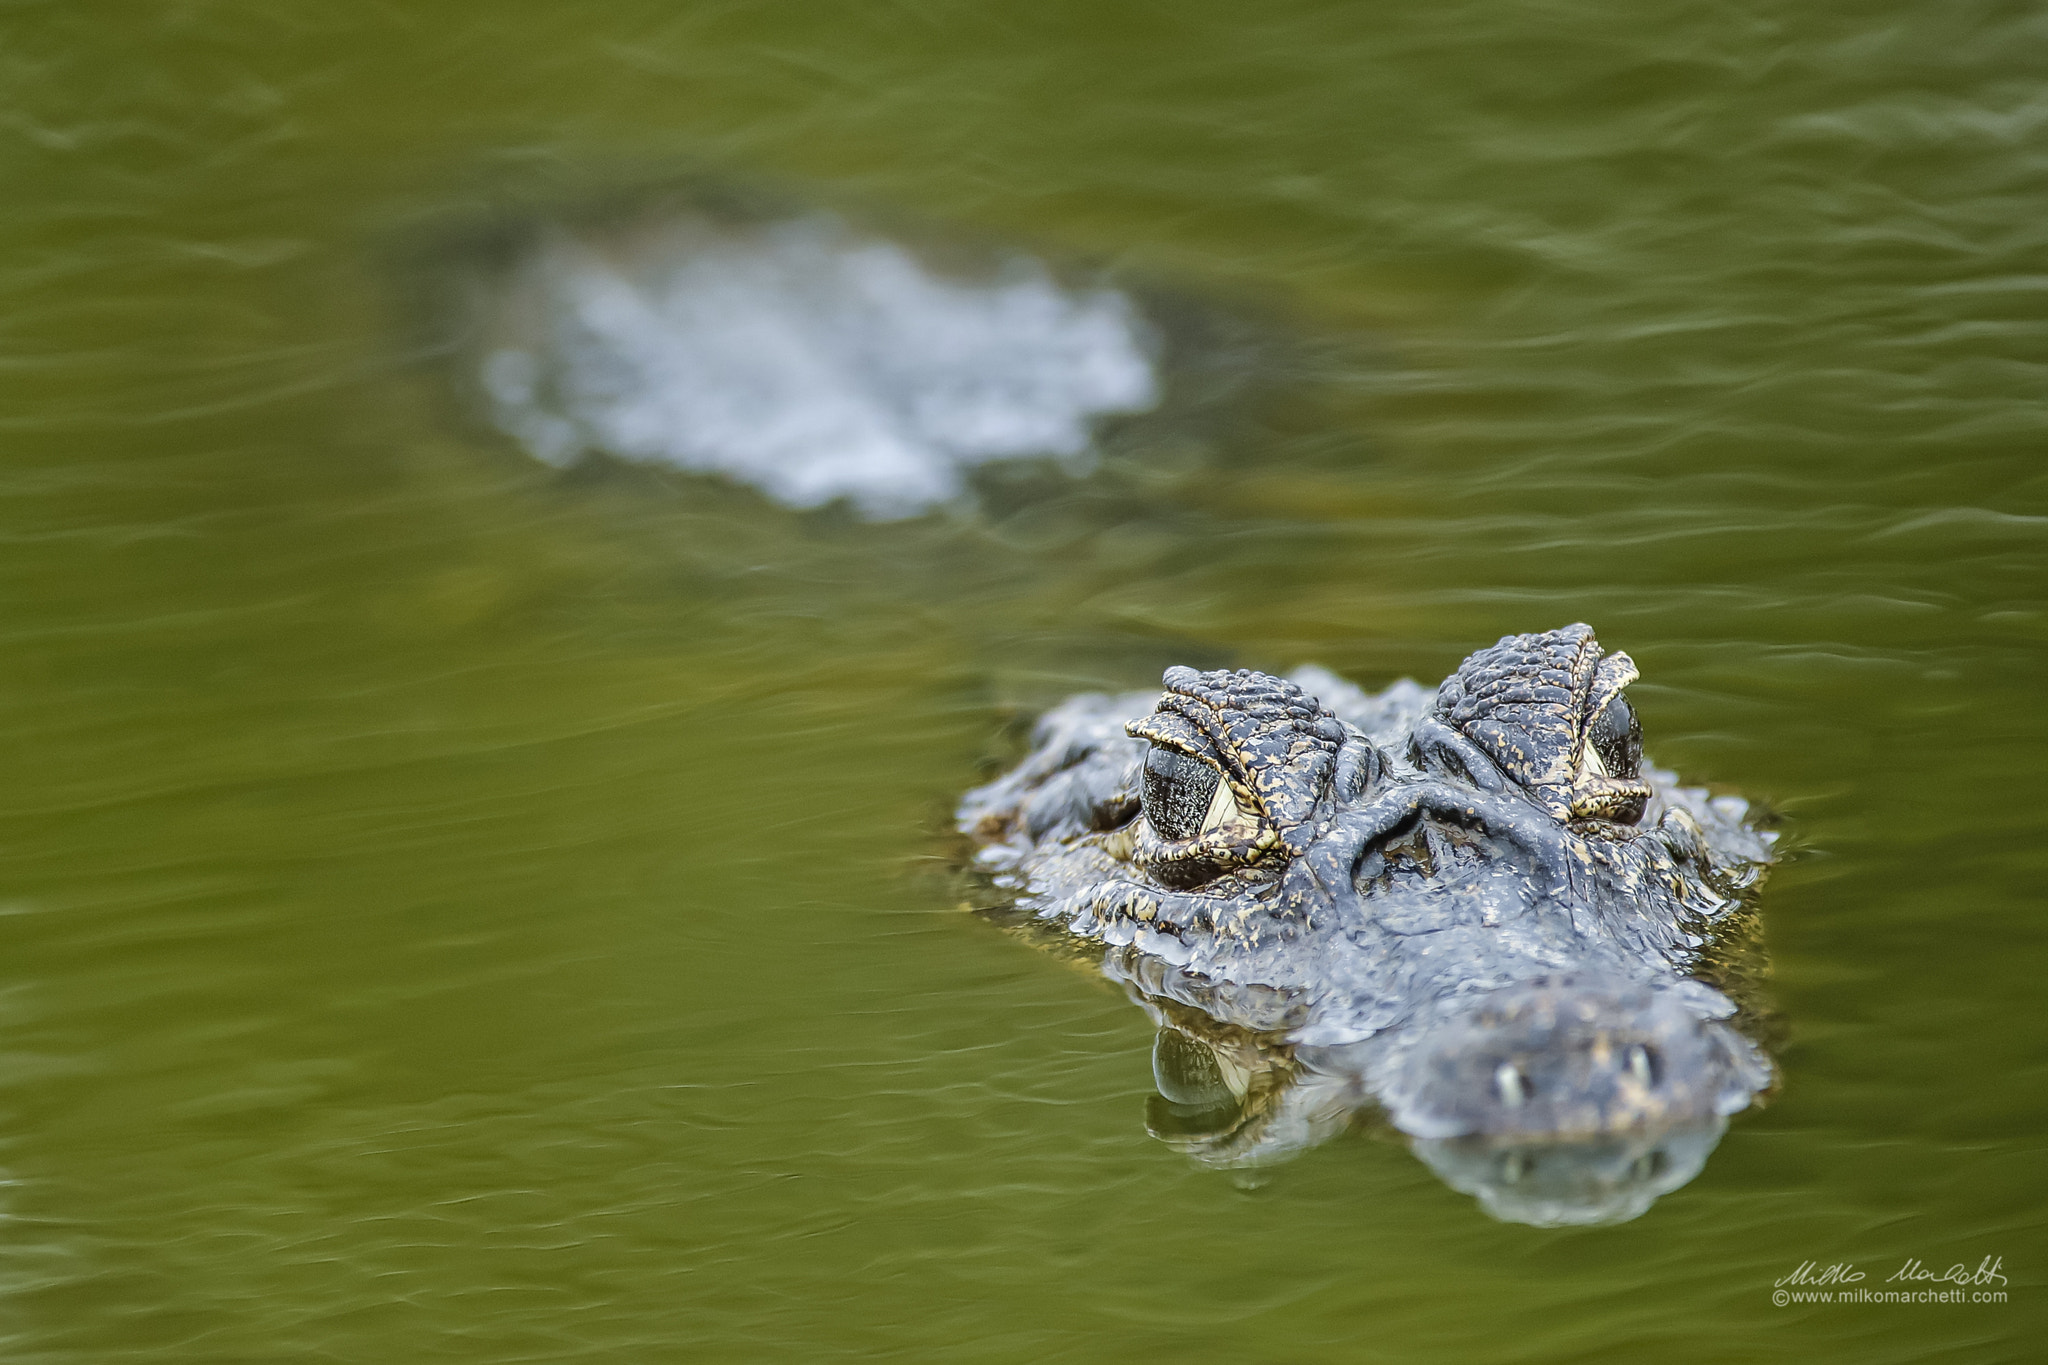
(455, 911)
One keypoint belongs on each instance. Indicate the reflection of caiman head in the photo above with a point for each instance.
(1488, 913)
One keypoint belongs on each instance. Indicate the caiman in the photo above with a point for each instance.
(1478, 917)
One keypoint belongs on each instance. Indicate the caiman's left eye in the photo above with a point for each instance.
(1178, 790)
(1618, 738)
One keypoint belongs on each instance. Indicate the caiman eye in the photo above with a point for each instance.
(1178, 790)
(1618, 738)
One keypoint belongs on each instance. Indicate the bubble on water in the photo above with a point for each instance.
(807, 360)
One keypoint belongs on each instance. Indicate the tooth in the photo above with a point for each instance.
(1222, 808)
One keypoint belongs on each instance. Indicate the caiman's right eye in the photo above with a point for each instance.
(1617, 736)
(1178, 791)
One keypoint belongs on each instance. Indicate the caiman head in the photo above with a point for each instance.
(1483, 907)
(1540, 1021)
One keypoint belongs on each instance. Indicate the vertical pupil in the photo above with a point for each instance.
(1178, 789)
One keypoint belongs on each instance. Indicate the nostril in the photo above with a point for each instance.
(1642, 1064)
(1511, 1084)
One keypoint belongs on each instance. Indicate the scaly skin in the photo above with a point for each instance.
(1477, 912)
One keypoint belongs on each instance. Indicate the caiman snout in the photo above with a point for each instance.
(1571, 1058)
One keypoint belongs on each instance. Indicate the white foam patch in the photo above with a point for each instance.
(807, 360)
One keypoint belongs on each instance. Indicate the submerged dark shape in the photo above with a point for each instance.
(1479, 916)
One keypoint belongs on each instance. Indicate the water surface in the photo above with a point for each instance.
(462, 910)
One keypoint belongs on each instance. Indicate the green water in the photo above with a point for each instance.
(455, 911)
